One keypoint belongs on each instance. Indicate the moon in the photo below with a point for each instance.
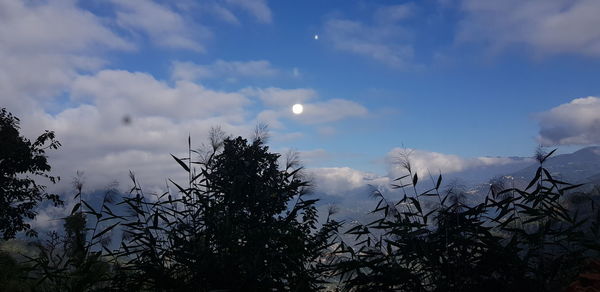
(297, 109)
(316, 37)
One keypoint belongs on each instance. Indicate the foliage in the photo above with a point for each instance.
(19, 160)
(516, 240)
(243, 223)
(12, 273)
(240, 223)
(76, 260)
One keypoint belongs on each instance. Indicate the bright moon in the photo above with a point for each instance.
(297, 109)
(316, 37)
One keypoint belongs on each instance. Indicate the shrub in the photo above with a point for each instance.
(20, 159)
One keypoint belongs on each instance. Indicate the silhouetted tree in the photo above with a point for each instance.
(20, 160)
(241, 223)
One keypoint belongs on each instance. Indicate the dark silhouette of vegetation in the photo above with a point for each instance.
(20, 159)
(516, 240)
(239, 223)
(244, 221)
(76, 260)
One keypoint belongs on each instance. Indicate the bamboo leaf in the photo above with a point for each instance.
(75, 208)
(548, 155)
(416, 204)
(181, 163)
(105, 230)
(92, 209)
(178, 186)
(538, 173)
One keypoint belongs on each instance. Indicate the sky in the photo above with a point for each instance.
(462, 83)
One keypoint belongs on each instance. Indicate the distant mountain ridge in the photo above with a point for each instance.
(582, 166)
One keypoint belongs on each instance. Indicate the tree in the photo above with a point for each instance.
(20, 161)
(241, 223)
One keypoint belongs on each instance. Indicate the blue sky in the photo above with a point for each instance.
(456, 79)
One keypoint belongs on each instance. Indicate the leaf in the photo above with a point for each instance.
(439, 182)
(538, 173)
(92, 209)
(415, 179)
(572, 187)
(75, 208)
(548, 175)
(404, 176)
(548, 155)
(155, 223)
(105, 230)
(293, 173)
(178, 186)
(417, 204)
(399, 186)
(181, 163)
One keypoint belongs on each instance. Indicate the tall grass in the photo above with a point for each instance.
(515, 240)
(242, 222)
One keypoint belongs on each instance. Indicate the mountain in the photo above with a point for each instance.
(582, 166)
(484, 173)
(579, 167)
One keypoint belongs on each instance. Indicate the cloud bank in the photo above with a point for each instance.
(573, 123)
(427, 162)
(57, 74)
(546, 27)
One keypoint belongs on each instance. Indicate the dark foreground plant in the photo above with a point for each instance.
(243, 223)
(516, 240)
(79, 258)
(20, 162)
(240, 223)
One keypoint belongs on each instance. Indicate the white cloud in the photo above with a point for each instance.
(161, 24)
(296, 72)
(271, 118)
(426, 162)
(228, 10)
(135, 93)
(257, 8)
(96, 140)
(573, 123)
(224, 14)
(546, 26)
(223, 69)
(337, 181)
(56, 26)
(44, 46)
(394, 13)
(317, 112)
(330, 111)
(385, 41)
(52, 77)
